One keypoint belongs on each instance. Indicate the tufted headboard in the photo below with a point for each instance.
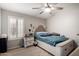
(40, 28)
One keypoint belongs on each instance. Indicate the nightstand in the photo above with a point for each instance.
(28, 41)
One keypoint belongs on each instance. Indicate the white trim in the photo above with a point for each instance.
(0, 20)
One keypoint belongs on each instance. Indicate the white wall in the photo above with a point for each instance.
(35, 21)
(66, 21)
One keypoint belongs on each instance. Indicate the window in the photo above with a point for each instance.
(20, 27)
(15, 27)
(12, 27)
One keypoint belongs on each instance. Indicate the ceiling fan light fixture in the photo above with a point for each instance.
(52, 8)
(47, 10)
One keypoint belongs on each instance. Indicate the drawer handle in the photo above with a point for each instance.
(65, 49)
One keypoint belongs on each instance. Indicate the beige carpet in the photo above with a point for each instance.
(75, 52)
(30, 51)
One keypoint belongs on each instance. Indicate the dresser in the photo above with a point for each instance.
(3, 45)
(28, 41)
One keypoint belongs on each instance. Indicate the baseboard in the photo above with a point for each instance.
(13, 47)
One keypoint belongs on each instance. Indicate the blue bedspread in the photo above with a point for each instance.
(52, 40)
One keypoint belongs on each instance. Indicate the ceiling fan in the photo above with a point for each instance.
(48, 8)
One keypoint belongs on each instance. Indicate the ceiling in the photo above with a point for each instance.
(26, 8)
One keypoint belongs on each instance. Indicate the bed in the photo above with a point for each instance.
(55, 45)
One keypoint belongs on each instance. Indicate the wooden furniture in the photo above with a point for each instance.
(3, 45)
(28, 41)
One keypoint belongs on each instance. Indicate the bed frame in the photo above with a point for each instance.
(61, 49)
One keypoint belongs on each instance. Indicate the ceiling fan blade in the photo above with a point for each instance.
(59, 8)
(55, 3)
(35, 8)
(41, 12)
(48, 5)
